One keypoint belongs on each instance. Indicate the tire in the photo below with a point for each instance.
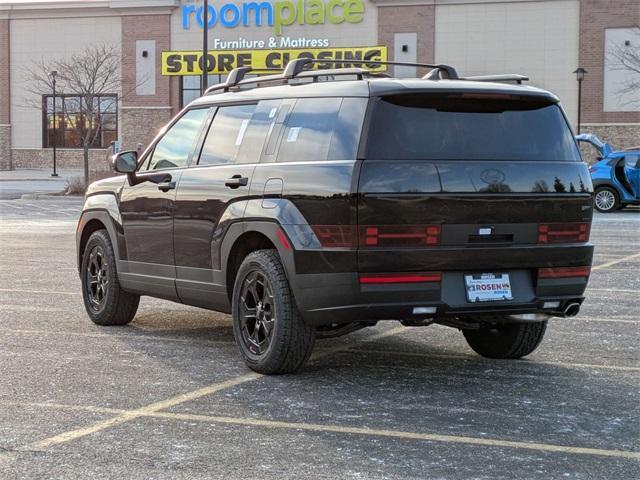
(106, 303)
(269, 331)
(509, 340)
(606, 199)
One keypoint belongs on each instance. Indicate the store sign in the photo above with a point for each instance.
(277, 14)
(223, 61)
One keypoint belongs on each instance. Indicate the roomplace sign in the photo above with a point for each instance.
(277, 14)
(223, 61)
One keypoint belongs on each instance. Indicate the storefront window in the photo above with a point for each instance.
(72, 123)
(190, 87)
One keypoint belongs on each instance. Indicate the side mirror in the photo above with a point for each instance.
(125, 162)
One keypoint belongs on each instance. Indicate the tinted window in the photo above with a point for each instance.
(175, 147)
(226, 134)
(263, 117)
(322, 129)
(459, 127)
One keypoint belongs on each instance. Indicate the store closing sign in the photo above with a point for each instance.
(223, 61)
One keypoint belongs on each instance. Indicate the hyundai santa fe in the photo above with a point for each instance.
(311, 203)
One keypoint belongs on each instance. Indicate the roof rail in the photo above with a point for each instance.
(509, 77)
(235, 77)
(295, 67)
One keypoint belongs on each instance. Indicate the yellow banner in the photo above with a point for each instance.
(223, 61)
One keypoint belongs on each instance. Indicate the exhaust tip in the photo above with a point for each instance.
(572, 309)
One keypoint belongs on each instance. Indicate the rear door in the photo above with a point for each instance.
(212, 193)
(463, 183)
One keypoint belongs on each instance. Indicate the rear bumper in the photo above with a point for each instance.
(339, 298)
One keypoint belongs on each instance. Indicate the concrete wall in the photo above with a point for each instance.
(64, 37)
(418, 19)
(537, 39)
(595, 17)
(144, 110)
(5, 95)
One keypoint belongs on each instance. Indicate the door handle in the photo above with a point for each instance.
(236, 181)
(166, 186)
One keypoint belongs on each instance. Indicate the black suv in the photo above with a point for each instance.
(315, 202)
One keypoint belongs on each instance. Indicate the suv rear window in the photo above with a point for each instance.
(469, 127)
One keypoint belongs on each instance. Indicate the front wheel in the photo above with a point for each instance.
(510, 340)
(269, 331)
(105, 302)
(606, 199)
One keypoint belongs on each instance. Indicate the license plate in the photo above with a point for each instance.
(488, 287)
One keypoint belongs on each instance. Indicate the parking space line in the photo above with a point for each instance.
(155, 407)
(54, 292)
(129, 415)
(527, 363)
(148, 412)
(429, 437)
(602, 320)
(614, 262)
(612, 290)
(154, 338)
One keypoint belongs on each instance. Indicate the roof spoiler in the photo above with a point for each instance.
(509, 77)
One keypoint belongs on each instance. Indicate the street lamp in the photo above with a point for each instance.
(580, 73)
(54, 73)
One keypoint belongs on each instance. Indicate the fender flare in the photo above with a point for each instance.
(103, 208)
(272, 230)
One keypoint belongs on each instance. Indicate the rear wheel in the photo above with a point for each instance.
(269, 331)
(105, 302)
(606, 199)
(511, 340)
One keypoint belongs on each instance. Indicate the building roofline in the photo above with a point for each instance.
(19, 9)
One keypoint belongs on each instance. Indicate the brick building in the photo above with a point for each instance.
(158, 41)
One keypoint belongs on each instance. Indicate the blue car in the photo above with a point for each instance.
(616, 177)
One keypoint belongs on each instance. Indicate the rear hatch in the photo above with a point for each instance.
(470, 182)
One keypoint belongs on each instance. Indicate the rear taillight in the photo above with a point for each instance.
(400, 235)
(336, 236)
(563, 232)
(386, 278)
(564, 272)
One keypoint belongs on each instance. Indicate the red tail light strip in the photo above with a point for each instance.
(344, 236)
(563, 232)
(400, 235)
(564, 272)
(385, 278)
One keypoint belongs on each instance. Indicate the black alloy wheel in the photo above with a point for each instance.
(257, 313)
(105, 302)
(269, 331)
(97, 282)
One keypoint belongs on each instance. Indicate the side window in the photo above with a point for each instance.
(174, 149)
(226, 134)
(322, 129)
(261, 123)
(632, 161)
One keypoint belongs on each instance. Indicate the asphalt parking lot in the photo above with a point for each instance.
(168, 397)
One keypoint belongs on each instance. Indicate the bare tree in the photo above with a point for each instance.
(626, 58)
(92, 75)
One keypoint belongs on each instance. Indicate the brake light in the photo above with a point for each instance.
(400, 235)
(386, 278)
(563, 232)
(335, 236)
(564, 272)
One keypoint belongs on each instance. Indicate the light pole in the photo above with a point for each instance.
(55, 131)
(580, 73)
(205, 48)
